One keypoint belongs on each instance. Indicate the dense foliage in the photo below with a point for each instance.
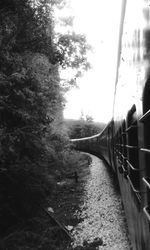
(33, 144)
(29, 104)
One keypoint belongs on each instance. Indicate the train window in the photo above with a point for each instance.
(117, 143)
(120, 144)
(119, 149)
(122, 151)
(146, 121)
(124, 143)
(132, 148)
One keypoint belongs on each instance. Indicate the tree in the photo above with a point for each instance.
(30, 100)
(89, 118)
(72, 51)
(30, 92)
(31, 103)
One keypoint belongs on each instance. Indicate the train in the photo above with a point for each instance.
(125, 141)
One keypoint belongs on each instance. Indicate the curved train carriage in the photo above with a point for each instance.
(125, 142)
(99, 144)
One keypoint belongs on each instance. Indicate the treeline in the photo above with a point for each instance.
(83, 128)
(33, 143)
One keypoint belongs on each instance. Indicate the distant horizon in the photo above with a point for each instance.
(74, 119)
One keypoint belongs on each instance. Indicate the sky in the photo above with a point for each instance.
(99, 21)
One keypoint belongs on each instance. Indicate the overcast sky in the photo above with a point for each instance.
(99, 20)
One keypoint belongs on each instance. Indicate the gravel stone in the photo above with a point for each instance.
(101, 211)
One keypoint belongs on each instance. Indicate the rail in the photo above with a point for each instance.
(146, 181)
(132, 186)
(134, 169)
(63, 228)
(145, 150)
(146, 211)
(131, 128)
(145, 116)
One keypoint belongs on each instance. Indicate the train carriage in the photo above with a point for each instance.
(132, 120)
(125, 141)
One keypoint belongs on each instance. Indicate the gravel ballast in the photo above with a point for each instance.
(101, 212)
